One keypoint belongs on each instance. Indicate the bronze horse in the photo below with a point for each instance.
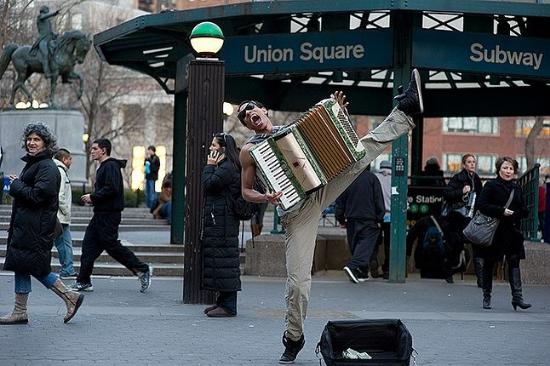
(71, 48)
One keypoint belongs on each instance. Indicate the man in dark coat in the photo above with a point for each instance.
(361, 208)
(102, 232)
(33, 225)
(152, 166)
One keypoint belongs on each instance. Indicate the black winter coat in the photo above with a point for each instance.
(454, 197)
(220, 235)
(508, 238)
(33, 217)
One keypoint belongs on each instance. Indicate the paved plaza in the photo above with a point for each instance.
(117, 325)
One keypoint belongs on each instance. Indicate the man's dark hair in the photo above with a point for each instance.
(62, 154)
(104, 144)
(152, 148)
(45, 134)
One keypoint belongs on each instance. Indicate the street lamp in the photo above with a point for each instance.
(206, 39)
(205, 88)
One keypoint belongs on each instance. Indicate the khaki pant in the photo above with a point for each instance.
(301, 224)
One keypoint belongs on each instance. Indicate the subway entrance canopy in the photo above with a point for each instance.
(476, 58)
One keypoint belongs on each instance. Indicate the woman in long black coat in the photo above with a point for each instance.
(33, 224)
(220, 236)
(508, 239)
(460, 195)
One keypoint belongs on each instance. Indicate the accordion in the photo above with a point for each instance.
(308, 154)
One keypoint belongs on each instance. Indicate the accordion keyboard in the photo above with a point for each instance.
(275, 176)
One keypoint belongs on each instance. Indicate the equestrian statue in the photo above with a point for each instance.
(51, 54)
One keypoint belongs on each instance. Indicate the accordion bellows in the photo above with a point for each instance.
(309, 153)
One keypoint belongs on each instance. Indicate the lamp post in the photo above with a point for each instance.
(204, 118)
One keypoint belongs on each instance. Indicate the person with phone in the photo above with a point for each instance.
(221, 177)
(508, 239)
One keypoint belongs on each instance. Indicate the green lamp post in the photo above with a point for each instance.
(206, 39)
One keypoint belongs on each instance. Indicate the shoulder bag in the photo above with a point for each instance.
(481, 229)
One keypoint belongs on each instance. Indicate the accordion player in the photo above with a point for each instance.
(309, 153)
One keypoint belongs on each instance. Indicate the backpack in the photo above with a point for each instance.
(433, 247)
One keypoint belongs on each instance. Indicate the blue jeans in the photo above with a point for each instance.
(64, 245)
(150, 193)
(23, 282)
(166, 212)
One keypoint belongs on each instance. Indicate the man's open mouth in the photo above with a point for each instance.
(255, 119)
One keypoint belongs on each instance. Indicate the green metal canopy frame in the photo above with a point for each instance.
(477, 58)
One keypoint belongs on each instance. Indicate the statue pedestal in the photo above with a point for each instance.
(67, 125)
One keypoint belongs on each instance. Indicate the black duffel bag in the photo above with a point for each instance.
(387, 341)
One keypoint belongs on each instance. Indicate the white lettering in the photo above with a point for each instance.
(324, 53)
(497, 55)
(254, 54)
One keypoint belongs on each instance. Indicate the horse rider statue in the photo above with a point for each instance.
(46, 39)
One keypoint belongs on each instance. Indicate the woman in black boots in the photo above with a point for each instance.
(33, 225)
(221, 180)
(508, 240)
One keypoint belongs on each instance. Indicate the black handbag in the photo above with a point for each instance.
(386, 341)
(481, 229)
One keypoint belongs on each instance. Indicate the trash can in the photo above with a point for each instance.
(387, 342)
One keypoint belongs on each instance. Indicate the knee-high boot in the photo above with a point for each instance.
(515, 285)
(478, 268)
(72, 299)
(19, 313)
(487, 284)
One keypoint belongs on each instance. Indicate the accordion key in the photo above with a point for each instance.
(308, 154)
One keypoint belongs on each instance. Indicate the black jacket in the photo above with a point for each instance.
(453, 192)
(108, 195)
(508, 238)
(220, 234)
(362, 200)
(33, 217)
(154, 168)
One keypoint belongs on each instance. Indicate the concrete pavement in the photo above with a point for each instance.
(117, 325)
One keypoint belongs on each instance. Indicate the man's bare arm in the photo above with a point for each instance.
(248, 176)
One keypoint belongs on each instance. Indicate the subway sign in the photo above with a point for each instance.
(312, 51)
(481, 53)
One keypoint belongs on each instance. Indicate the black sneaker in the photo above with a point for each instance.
(78, 286)
(145, 279)
(355, 275)
(411, 102)
(291, 349)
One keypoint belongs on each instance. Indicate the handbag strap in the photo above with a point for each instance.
(436, 224)
(509, 199)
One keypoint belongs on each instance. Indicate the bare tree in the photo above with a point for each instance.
(530, 154)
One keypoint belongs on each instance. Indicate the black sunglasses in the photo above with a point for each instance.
(248, 106)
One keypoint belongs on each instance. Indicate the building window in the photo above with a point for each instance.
(524, 126)
(473, 125)
(452, 163)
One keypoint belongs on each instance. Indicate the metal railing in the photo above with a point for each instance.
(529, 183)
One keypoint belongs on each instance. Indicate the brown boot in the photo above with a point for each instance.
(73, 300)
(19, 313)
